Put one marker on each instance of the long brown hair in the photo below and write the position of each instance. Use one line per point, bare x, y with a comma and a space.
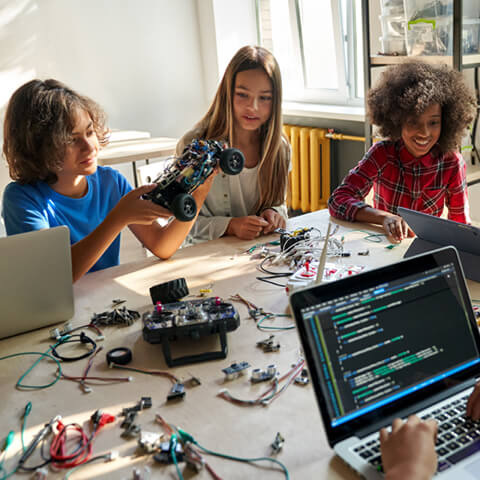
38, 126
275, 151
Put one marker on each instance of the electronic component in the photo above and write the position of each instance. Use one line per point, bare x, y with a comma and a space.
57, 333
190, 319
288, 239
177, 392
193, 381
259, 375
302, 379
188, 171
149, 441
130, 414
269, 344
235, 370
306, 274
277, 443
116, 316
165, 453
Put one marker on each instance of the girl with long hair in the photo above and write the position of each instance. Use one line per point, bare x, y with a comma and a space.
246, 114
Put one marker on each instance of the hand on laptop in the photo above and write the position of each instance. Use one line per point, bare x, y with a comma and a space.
396, 228
473, 404
408, 451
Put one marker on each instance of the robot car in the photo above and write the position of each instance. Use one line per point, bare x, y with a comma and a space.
187, 172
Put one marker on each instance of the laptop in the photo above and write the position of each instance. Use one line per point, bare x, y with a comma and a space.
36, 280
434, 232
388, 343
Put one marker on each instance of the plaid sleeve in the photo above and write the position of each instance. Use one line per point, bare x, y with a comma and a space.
348, 198
457, 199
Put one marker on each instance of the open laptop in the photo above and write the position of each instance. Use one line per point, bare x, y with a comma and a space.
36, 280
434, 232
388, 343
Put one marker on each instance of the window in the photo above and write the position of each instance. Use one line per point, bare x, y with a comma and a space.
318, 46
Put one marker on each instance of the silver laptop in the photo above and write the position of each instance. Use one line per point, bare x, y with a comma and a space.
36, 280
388, 343
434, 232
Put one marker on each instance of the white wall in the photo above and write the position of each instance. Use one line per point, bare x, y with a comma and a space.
140, 59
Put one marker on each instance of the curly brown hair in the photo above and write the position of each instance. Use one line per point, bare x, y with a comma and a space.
38, 126
408, 89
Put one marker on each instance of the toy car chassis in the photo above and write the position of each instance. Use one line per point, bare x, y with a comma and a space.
185, 173
190, 319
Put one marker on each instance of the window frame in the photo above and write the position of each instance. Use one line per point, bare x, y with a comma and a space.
347, 64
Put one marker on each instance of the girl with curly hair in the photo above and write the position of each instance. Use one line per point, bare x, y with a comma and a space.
246, 114
52, 136
422, 111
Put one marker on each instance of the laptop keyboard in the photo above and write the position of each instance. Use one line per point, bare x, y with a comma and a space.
458, 437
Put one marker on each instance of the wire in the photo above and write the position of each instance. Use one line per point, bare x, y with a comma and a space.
85, 379
372, 237
19, 383
246, 460
173, 446
264, 328
160, 373
107, 456
186, 437
271, 393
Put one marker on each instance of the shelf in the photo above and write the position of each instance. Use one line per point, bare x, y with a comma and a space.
468, 60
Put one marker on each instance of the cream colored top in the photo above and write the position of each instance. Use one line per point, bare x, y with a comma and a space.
230, 196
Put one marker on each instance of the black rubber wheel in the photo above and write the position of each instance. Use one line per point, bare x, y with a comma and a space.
169, 292
232, 161
184, 207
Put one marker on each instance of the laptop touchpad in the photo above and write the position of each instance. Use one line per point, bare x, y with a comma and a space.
473, 468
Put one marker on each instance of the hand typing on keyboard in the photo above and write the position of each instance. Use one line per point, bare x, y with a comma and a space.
408, 451
473, 404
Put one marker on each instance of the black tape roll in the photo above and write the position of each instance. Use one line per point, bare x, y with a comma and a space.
119, 356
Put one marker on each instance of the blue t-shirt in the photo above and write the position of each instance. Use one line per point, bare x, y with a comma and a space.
37, 206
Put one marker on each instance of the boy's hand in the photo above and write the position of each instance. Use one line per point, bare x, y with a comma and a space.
396, 228
409, 450
132, 209
246, 228
274, 219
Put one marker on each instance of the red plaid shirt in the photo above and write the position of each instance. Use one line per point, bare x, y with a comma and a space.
423, 184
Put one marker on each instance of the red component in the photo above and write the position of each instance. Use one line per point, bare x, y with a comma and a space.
218, 300
105, 419
158, 307
307, 265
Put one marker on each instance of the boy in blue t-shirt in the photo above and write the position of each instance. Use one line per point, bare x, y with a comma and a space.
52, 136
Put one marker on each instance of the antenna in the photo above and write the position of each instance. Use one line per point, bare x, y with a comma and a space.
323, 257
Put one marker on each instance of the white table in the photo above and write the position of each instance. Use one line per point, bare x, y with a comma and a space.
135, 150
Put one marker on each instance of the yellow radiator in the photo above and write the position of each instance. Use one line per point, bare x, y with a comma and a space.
309, 186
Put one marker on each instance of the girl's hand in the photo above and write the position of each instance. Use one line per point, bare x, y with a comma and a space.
395, 228
132, 209
409, 450
274, 219
246, 228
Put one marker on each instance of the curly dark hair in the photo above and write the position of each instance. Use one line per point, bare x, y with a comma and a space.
38, 126
408, 89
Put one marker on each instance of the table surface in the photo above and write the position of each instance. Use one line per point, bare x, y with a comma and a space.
134, 150
215, 423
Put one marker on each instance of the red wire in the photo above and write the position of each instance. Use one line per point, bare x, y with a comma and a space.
60, 459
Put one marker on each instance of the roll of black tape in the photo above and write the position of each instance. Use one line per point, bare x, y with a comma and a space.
119, 356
